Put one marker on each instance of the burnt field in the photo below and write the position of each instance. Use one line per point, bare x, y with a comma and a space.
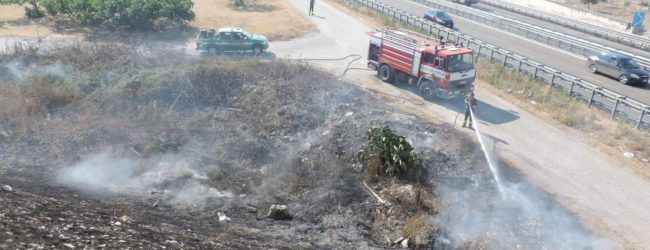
108, 147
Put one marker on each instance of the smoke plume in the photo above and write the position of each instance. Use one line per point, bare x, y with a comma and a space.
171, 178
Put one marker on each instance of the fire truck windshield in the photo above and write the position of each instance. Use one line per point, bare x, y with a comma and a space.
460, 62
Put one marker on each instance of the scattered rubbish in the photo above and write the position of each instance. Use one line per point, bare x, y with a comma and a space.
405, 243
223, 217
279, 212
379, 199
628, 154
7, 188
125, 218
251, 209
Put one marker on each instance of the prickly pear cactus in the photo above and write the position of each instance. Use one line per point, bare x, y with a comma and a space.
394, 152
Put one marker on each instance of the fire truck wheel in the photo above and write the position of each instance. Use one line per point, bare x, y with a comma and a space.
386, 73
427, 90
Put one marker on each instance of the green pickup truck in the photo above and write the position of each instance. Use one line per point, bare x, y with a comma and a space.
231, 39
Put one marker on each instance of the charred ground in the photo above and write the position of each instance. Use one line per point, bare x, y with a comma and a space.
110, 146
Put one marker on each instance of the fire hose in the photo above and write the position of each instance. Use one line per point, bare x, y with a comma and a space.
353, 58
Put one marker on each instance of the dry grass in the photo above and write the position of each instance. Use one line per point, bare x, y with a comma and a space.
122, 208
368, 16
11, 12
612, 137
375, 169
419, 228
275, 19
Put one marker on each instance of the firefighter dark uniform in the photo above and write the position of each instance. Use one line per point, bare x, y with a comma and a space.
470, 103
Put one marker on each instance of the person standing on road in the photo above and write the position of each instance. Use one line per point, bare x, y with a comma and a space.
311, 7
470, 103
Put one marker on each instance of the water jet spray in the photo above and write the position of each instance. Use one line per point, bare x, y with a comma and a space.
494, 168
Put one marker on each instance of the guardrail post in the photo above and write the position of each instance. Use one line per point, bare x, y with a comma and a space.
536, 70
505, 60
553, 78
573, 84
643, 110
593, 94
492, 55
618, 100
520, 63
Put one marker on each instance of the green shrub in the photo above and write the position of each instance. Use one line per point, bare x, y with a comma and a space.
34, 12
135, 14
388, 152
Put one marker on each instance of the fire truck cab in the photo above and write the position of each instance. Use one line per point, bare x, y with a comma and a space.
437, 70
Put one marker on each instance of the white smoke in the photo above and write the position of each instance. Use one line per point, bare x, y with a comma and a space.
510, 213
18, 69
171, 178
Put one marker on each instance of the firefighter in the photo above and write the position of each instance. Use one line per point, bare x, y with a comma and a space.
311, 7
470, 103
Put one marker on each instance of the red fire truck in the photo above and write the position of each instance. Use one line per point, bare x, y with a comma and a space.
437, 70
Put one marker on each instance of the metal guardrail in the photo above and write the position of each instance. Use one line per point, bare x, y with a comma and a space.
628, 39
553, 38
618, 106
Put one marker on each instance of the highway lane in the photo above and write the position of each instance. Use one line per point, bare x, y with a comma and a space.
560, 28
550, 56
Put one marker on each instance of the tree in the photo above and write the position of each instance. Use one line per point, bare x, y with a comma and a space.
135, 14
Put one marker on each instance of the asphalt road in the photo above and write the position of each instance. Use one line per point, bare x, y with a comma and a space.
550, 56
561, 29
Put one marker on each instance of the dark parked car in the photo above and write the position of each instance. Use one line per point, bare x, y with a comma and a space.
439, 16
465, 2
620, 66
